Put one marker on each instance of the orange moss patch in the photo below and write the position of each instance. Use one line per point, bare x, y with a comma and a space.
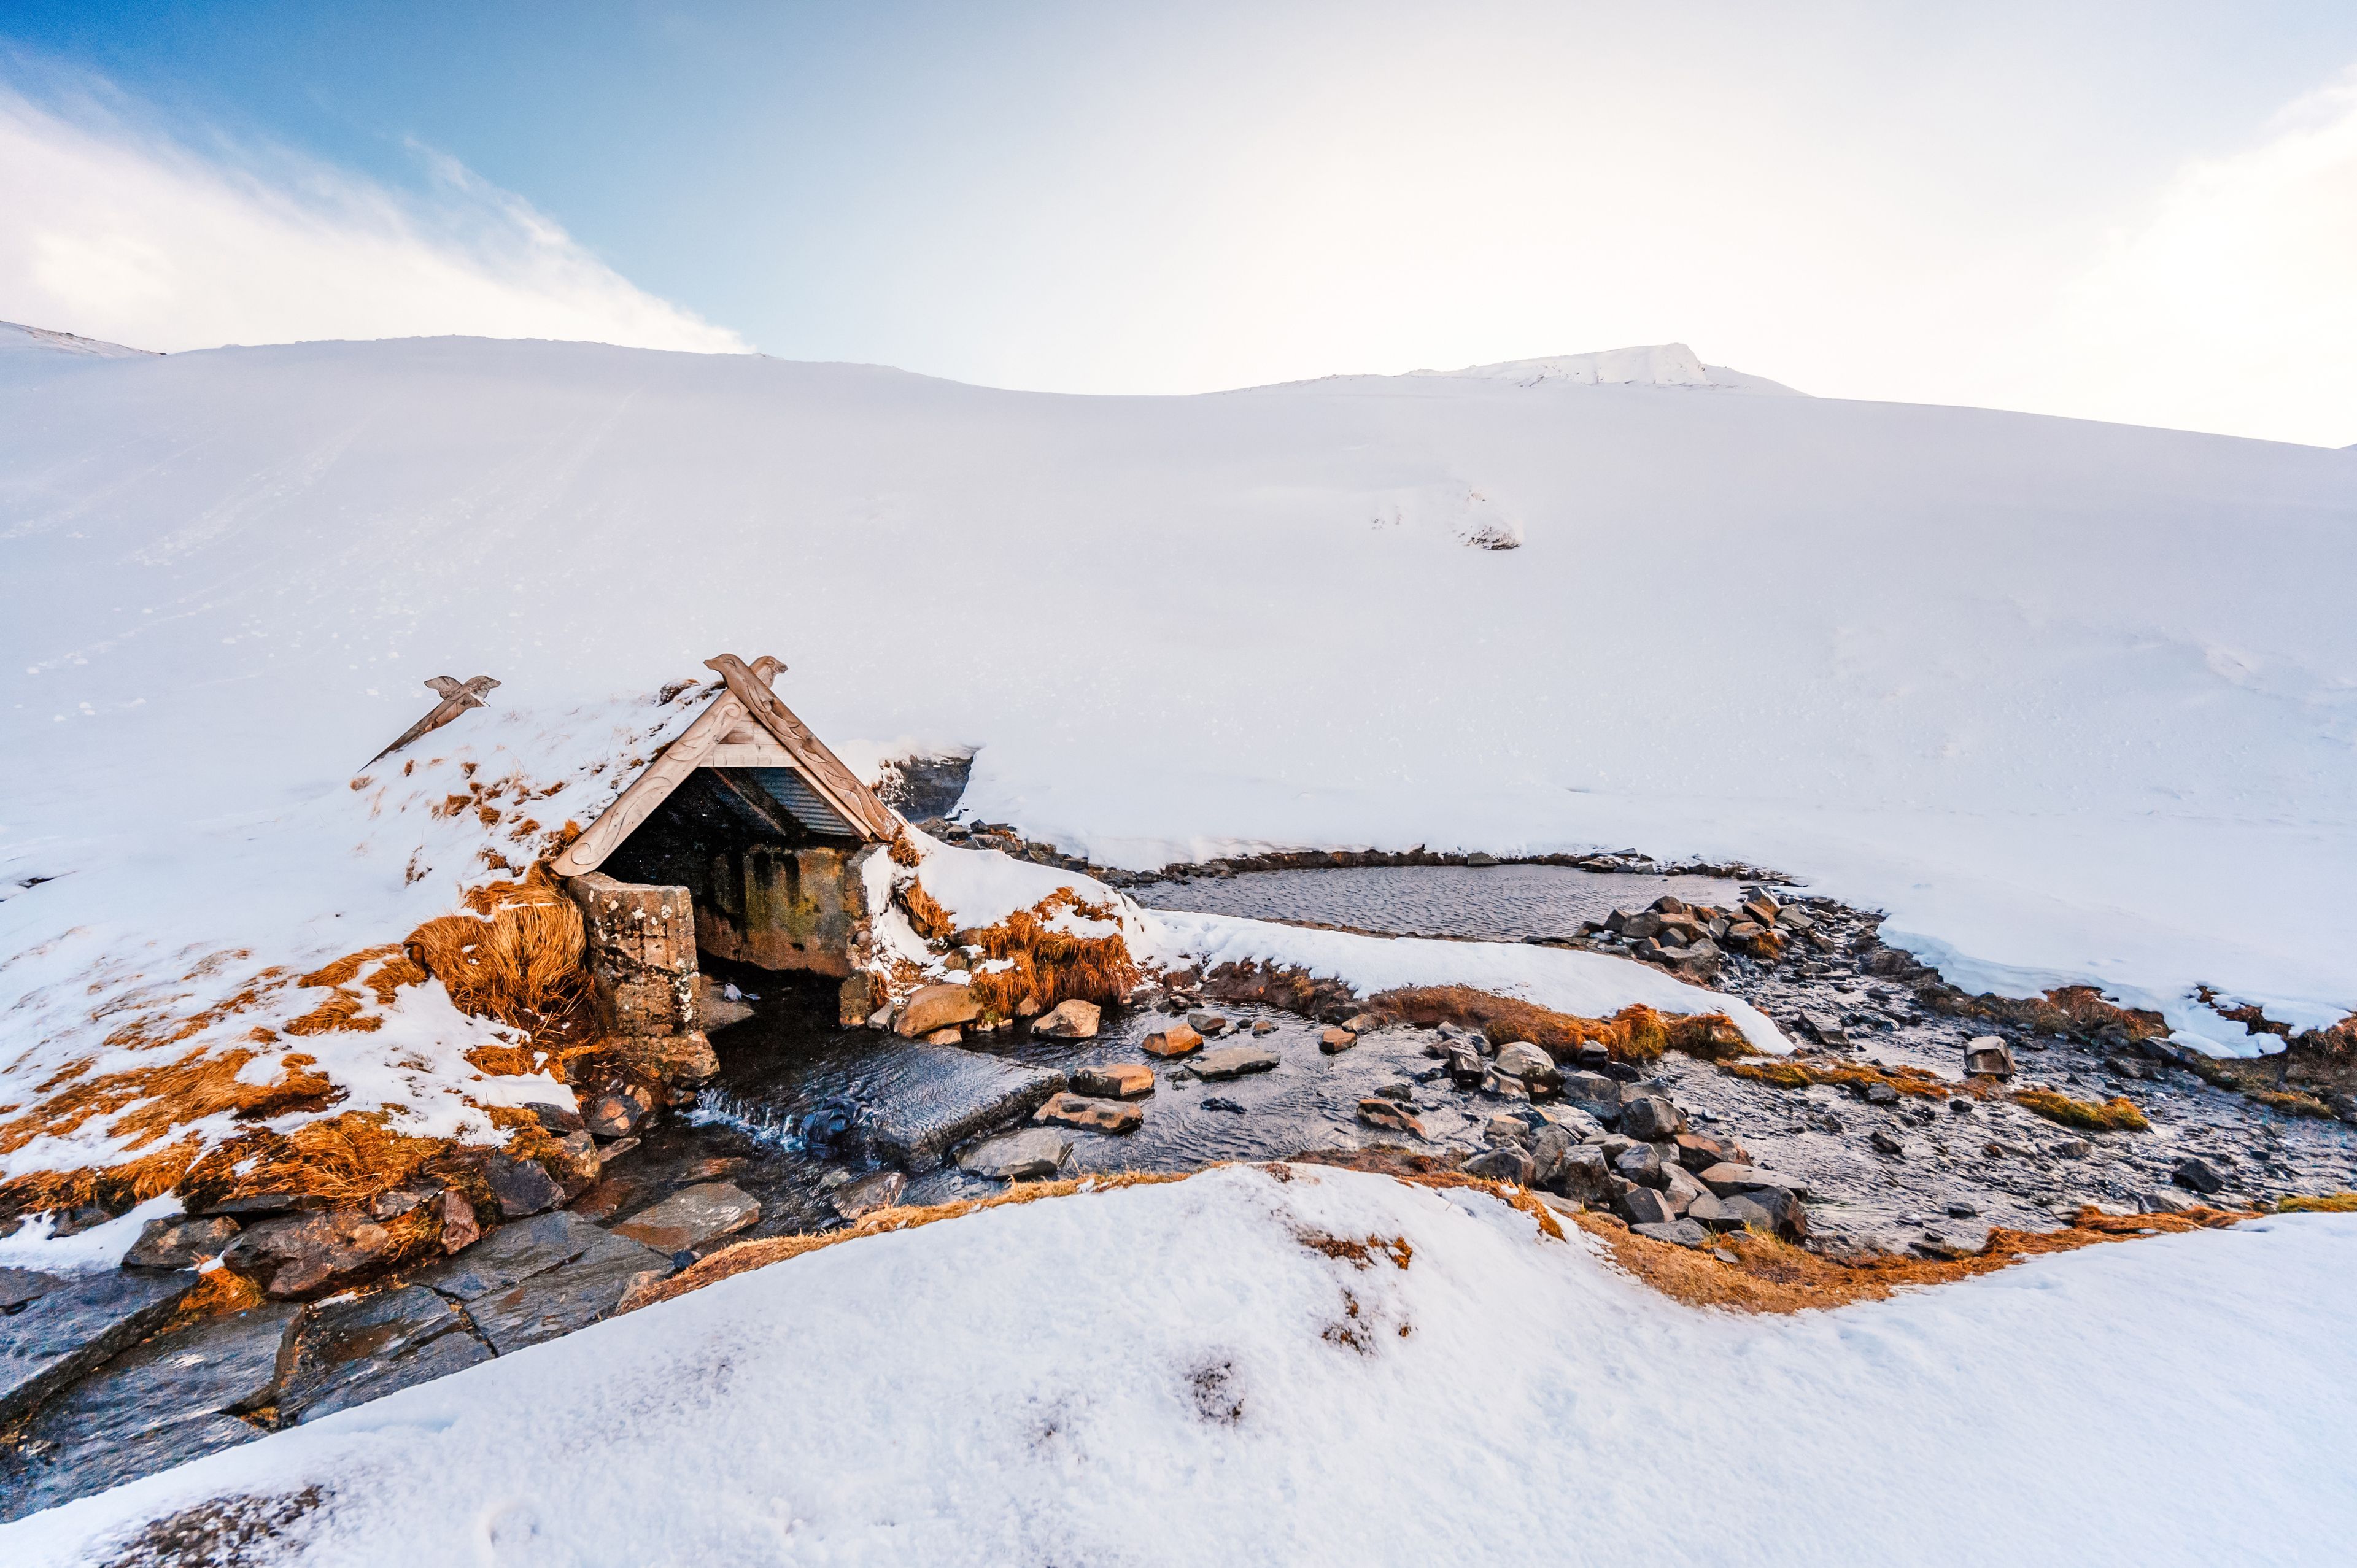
1636, 1034
2117, 1114
2292, 1102
2330, 1203
1800, 1072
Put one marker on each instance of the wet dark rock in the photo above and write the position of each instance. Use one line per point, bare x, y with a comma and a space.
18, 1286
510, 1253
930, 1099
617, 1112
301, 1255
1466, 1068
162, 1403
857, 1199
1208, 1025
64, 1330
355, 1351
570, 1296
2200, 1175
1885, 1144
1033, 1153
555, 1118
1769, 1208
181, 1243
692, 1216
1216, 1103
521, 1186
1881, 1094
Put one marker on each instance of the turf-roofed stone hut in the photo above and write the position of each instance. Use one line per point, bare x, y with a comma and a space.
745, 839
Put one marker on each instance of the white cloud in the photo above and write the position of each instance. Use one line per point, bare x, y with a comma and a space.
119, 234
2233, 307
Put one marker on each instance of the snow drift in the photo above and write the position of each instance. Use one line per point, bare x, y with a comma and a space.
2073, 702
1210, 1377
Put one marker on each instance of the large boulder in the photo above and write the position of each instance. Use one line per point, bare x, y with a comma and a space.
1649, 1117
1585, 1177
1506, 1163
935, 1007
1533, 1066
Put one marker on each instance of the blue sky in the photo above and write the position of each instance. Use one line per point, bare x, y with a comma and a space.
1972, 204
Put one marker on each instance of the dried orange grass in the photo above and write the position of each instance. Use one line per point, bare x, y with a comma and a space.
1795, 1072
1046, 966
518, 959
931, 921
2118, 1114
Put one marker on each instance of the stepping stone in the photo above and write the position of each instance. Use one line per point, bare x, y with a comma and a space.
1035, 1152
924, 1100
71, 1327
1175, 1041
1207, 1023
1235, 1061
1093, 1115
1069, 1020
1333, 1042
1117, 1080
1390, 1115
691, 1217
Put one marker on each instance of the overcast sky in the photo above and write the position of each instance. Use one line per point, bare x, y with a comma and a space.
2142, 212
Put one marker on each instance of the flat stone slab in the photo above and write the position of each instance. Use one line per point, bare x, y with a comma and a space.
355, 1351
1091, 1115
513, 1252
1115, 1080
924, 1101
691, 1217
1677, 1232
65, 1331
18, 1286
572, 1295
1233, 1061
162, 1403
1035, 1152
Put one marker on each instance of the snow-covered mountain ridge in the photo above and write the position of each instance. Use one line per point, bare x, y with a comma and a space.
2072, 701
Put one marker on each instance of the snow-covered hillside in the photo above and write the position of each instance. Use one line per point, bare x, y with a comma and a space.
1202, 1372
2072, 701
19, 340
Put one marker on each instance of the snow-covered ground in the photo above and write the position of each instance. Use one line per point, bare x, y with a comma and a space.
1176, 1374
2070, 701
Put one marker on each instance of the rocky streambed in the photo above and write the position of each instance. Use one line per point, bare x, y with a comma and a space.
1874, 1139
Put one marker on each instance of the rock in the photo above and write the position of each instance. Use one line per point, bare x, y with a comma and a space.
1506, 1163
1177, 1040
513, 1252
521, 1186
1699, 1152
570, 1296
868, 1194
1208, 1025
1532, 1065
2164, 1202
1639, 1163
1071, 1019
1466, 1069
1333, 1042
1235, 1061
1585, 1178
574, 1163
618, 1111
1362, 1023
1550, 1153
461, 1228
1881, 1094
2070, 1148
1681, 1187
1115, 1080
686, 1059
1712, 1214
1093, 1115
1592, 1088
1960, 1209
1640, 926
1761, 908
1216, 1103
1725, 1180
1264, 1027
1649, 1116
2199, 1175
1643, 1205
359, 1350
18, 1286
1677, 1232
1016, 1157
174, 1399
1403, 1092
1819, 1122
1767, 1208
65, 1330
1884, 1144
1987, 1056
1378, 1111
180, 1243
691, 1217
555, 1118
1825, 1028
948, 1035
931, 1008
302, 1255
715, 1007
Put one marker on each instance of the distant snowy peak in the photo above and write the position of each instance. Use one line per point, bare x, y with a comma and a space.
18, 338
1660, 365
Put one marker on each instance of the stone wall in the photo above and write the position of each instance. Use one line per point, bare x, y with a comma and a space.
640, 947
785, 908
